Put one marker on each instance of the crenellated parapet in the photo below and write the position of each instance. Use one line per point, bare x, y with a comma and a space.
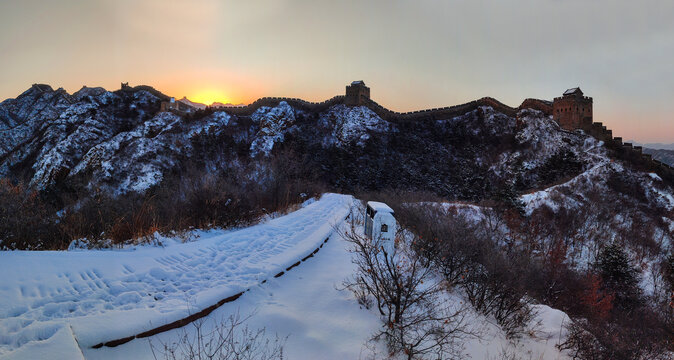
536, 104
246, 110
572, 111
358, 95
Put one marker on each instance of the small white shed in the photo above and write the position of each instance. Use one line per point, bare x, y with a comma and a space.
380, 223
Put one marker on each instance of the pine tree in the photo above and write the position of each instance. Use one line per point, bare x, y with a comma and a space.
618, 275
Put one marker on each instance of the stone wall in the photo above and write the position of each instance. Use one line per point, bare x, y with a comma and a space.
627, 152
447, 112
126, 88
536, 104
296, 103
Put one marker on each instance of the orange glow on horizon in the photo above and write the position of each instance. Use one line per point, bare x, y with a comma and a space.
209, 96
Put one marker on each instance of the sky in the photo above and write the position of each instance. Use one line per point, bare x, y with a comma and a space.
412, 54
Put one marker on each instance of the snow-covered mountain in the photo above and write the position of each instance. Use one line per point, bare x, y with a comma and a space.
539, 190
121, 142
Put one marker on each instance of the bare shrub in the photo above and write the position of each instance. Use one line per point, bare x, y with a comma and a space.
417, 320
490, 290
468, 255
636, 336
230, 339
27, 221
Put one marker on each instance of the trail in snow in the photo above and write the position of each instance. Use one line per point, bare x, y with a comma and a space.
134, 291
325, 321
535, 199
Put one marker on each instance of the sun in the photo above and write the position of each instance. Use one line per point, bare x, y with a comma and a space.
209, 96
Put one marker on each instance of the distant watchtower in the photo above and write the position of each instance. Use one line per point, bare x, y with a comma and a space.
357, 93
573, 110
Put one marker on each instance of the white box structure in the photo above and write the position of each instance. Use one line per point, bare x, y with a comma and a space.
380, 224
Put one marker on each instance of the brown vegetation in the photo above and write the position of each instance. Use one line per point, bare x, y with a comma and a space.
535, 259
205, 199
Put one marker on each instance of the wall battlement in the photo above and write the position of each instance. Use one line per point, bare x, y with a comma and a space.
582, 97
246, 110
358, 97
572, 111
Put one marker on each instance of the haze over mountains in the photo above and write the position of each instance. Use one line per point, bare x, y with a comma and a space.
201, 106
659, 151
654, 146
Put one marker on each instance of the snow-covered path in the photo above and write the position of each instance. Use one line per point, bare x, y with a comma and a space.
324, 321
307, 304
45, 297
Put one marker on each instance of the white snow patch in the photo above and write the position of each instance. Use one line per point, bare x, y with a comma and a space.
655, 176
350, 124
273, 123
137, 289
324, 321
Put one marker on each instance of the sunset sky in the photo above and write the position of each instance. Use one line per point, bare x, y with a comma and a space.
413, 54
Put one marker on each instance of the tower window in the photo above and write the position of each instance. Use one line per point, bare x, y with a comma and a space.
384, 228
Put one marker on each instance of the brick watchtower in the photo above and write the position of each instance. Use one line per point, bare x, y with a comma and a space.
573, 110
357, 93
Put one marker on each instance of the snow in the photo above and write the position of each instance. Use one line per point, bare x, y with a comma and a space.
137, 289
213, 125
273, 122
666, 197
351, 124
58, 342
655, 176
471, 212
545, 331
58, 304
324, 321
379, 206
537, 199
137, 159
571, 91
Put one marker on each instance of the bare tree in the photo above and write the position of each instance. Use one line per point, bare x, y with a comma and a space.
417, 318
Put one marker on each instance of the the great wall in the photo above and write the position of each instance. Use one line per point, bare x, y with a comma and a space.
572, 111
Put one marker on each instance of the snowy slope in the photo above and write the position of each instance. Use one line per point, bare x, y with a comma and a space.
351, 124
120, 142
43, 293
273, 124
324, 321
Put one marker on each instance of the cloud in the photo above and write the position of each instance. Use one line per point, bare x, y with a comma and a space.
425, 53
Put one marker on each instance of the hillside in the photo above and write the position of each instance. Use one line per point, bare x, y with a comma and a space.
105, 169
289, 270
118, 141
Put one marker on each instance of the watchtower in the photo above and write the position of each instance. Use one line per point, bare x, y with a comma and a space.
357, 93
573, 110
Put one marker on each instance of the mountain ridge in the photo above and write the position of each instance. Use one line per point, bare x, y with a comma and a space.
76, 127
